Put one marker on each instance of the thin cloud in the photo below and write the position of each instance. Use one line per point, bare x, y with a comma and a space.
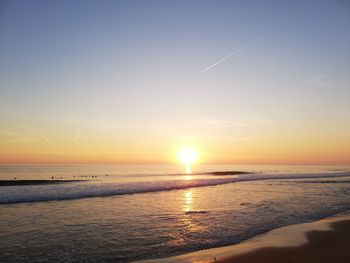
224, 123
320, 80
240, 122
238, 50
242, 138
107, 125
24, 137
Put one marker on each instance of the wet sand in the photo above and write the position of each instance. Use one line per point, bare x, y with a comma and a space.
323, 241
331, 246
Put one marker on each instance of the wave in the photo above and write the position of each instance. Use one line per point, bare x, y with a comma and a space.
86, 189
195, 212
327, 182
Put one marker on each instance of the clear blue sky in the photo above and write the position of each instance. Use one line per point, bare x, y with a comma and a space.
135, 70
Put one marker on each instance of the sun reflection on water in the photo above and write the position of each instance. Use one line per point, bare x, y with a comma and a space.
188, 168
188, 201
188, 177
192, 218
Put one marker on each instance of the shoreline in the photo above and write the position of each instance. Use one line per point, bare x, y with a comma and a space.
324, 240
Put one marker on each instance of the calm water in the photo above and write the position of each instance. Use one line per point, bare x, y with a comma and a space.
125, 213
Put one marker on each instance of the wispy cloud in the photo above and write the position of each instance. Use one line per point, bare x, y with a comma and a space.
223, 123
34, 133
105, 124
248, 138
231, 138
240, 122
77, 136
320, 80
238, 50
24, 136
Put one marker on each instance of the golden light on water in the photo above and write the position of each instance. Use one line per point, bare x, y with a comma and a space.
189, 219
188, 156
188, 201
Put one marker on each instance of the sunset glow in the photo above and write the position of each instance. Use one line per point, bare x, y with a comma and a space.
188, 156
245, 94
160, 131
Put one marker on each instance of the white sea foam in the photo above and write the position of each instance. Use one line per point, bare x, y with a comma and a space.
77, 190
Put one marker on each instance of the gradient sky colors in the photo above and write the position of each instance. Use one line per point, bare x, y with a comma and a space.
134, 81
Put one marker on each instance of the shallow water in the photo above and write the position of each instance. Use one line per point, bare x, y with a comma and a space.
125, 221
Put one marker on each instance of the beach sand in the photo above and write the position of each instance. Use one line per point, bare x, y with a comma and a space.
323, 241
331, 246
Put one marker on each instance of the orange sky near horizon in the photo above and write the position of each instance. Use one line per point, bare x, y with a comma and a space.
21, 148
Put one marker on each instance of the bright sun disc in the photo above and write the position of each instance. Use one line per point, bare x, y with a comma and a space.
188, 156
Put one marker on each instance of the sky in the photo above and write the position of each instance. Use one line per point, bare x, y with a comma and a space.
242, 82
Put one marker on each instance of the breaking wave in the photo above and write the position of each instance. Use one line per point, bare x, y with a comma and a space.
84, 189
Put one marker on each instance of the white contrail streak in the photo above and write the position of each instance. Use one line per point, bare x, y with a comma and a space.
238, 50
77, 136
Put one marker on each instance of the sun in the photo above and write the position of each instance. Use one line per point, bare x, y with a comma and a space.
188, 156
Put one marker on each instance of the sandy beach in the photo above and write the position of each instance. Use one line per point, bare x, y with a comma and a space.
322, 246
325, 241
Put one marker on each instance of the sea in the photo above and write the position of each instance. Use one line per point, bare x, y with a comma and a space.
127, 213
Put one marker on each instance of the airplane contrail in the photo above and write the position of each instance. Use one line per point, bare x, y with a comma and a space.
77, 136
238, 50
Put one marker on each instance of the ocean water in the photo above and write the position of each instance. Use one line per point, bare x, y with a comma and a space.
125, 213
